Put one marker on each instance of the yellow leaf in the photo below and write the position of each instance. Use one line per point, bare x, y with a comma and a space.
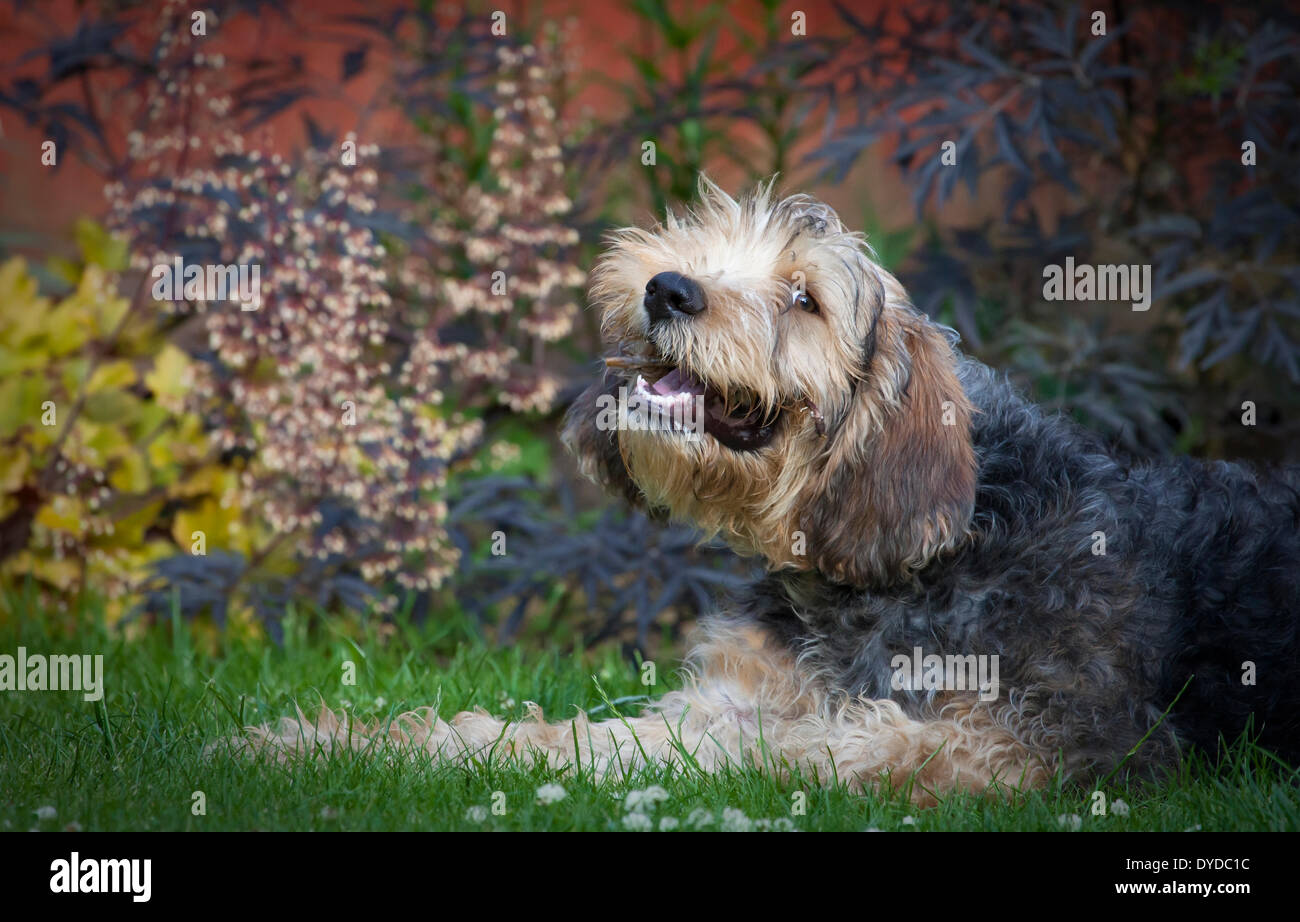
64, 573
210, 480
60, 573
20, 404
72, 373
130, 474
100, 442
65, 269
210, 518
151, 418
100, 247
68, 326
25, 309
13, 469
118, 374
94, 309
129, 529
70, 517
170, 378
161, 457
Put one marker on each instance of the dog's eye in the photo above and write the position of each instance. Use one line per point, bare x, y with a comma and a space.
806, 302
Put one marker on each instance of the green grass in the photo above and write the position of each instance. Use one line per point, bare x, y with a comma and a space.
135, 759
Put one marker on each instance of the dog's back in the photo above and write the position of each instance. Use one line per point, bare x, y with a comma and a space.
1189, 573
1220, 552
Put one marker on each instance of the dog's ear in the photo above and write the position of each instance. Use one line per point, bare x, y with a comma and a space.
596, 445
899, 480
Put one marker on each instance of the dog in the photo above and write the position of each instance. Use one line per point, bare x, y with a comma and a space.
916, 515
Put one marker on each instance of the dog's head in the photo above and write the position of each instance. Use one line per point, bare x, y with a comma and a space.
834, 433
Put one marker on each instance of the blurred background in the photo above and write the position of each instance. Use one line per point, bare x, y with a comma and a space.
424, 187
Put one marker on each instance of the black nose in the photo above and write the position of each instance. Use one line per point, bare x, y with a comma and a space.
671, 294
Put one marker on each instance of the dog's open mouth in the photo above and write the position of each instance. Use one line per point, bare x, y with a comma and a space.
739, 424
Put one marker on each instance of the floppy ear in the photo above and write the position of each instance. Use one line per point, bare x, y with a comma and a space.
596, 446
899, 480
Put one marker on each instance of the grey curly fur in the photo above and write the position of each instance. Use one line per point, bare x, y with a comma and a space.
1199, 576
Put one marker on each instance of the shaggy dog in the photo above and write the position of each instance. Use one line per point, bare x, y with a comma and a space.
962, 592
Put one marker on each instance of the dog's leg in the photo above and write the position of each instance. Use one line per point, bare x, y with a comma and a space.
738, 687
722, 719
745, 702
873, 743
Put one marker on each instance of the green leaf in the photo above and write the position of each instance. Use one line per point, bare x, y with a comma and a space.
112, 406
100, 248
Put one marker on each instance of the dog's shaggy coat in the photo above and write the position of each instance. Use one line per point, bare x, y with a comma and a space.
904, 498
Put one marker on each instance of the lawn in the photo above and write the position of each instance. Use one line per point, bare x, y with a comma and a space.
134, 760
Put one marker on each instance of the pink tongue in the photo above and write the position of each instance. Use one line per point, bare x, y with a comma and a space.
674, 383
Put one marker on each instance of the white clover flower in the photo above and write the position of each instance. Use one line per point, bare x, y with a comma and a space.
734, 820
646, 800
668, 823
909, 821
1119, 808
476, 814
549, 794
638, 822
45, 813
1070, 821
699, 817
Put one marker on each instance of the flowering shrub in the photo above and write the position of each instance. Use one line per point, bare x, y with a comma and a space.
102, 470
356, 385
384, 327
497, 251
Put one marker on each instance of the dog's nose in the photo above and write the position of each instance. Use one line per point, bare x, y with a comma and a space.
671, 294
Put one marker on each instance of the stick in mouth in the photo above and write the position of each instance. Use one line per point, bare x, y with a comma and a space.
743, 430
819, 421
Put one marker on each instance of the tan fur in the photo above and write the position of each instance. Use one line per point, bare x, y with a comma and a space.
745, 256
898, 483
